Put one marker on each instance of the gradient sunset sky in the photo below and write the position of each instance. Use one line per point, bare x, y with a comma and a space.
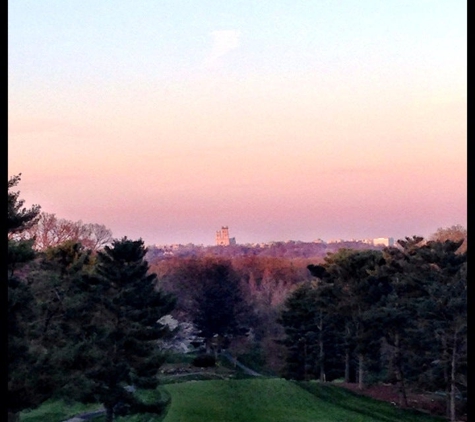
284, 120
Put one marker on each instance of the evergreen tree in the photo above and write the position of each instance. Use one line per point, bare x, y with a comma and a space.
311, 332
220, 311
300, 321
25, 359
352, 275
398, 312
64, 288
125, 343
443, 313
424, 317
19, 218
403, 312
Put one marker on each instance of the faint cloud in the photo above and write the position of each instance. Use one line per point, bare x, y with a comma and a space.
223, 42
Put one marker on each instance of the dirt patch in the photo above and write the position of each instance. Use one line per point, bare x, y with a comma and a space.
425, 402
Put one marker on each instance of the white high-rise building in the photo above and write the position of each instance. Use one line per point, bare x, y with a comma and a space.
384, 241
222, 237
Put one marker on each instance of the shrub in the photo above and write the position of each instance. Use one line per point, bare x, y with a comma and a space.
204, 361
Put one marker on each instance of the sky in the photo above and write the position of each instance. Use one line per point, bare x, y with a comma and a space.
283, 120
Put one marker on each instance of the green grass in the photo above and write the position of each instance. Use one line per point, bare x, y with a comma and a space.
368, 408
146, 396
277, 400
59, 410
56, 411
249, 400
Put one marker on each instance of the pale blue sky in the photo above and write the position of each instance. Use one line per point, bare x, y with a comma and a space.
76, 41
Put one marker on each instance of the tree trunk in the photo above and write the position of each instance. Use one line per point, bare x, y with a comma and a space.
347, 365
390, 352
452, 379
305, 361
322, 363
445, 365
208, 346
109, 414
400, 373
402, 386
321, 354
13, 416
360, 371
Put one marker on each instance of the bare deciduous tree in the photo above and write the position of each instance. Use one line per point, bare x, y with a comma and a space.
52, 231
454, 233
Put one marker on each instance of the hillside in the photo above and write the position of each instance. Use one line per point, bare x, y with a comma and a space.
277, 400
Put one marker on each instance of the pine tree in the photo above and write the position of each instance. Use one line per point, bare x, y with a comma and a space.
351, 273
64, 288
311, 332
300, 321
444, 314
25, 360
398, 312
220, 309
19, 218
424, 316
125, 345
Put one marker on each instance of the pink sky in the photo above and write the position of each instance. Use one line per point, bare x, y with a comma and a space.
371, 143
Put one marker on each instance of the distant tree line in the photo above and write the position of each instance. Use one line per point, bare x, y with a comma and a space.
289, 250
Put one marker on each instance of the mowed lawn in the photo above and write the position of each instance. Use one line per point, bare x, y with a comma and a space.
277, 400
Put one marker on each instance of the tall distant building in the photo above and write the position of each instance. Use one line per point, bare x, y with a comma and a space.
222, 237
384, 241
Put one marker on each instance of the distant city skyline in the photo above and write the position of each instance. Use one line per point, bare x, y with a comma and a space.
219, 241
282, 120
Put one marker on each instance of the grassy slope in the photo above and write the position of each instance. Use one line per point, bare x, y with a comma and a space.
276, 400
56, 410
250, 400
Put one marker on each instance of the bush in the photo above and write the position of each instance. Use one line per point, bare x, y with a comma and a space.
254, 358
179, 358
204, 361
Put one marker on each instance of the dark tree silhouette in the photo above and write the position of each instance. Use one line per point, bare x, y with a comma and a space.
129, 307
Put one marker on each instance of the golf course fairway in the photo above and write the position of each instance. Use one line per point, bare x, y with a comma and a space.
277, 400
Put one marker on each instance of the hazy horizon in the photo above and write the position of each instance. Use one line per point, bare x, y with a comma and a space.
284, 120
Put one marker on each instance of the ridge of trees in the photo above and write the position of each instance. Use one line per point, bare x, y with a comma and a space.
289, 249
